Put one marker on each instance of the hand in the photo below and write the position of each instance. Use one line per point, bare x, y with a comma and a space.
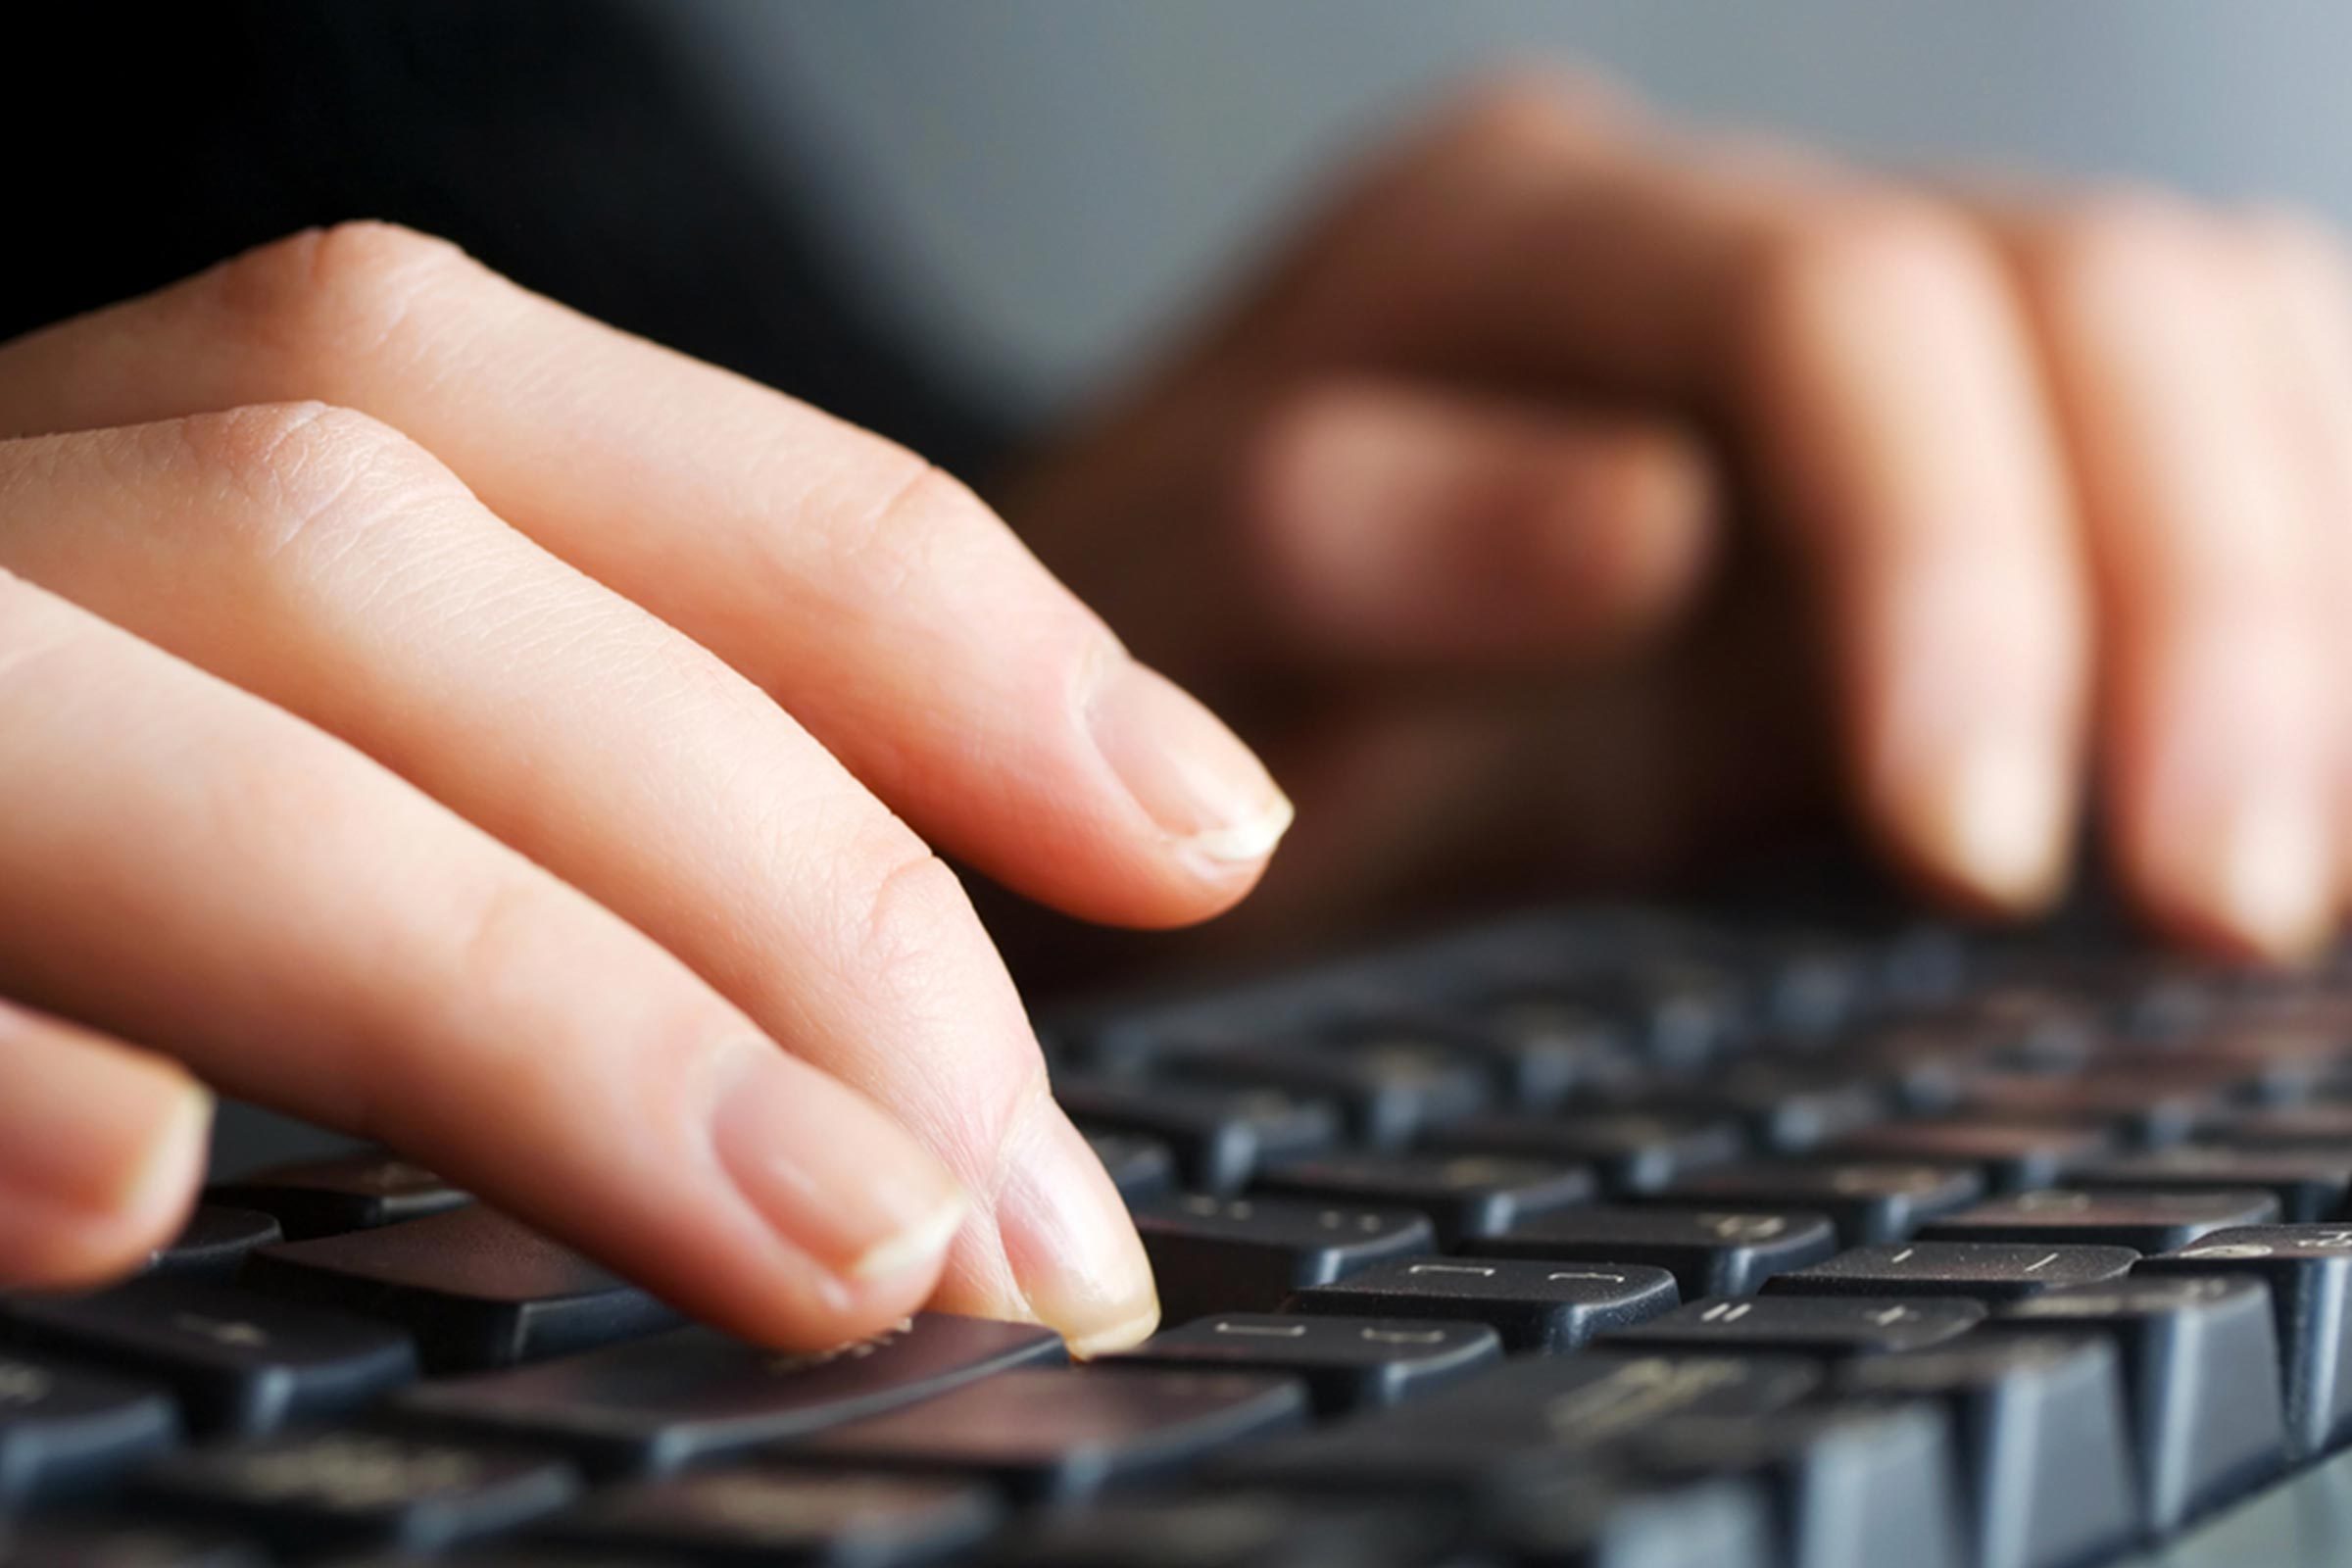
431, 712
1529, 510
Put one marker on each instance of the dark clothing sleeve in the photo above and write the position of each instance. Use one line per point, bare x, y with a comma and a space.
564, 142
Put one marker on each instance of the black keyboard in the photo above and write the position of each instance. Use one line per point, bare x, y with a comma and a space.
1602, 1240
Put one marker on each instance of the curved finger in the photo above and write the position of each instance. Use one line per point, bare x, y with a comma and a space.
185, 864
1409, 523
873, 596
2219, 733
101, 1150
351, 579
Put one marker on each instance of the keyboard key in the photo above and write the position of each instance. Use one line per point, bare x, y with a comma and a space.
2152, 1105
1802, 1325
1219, 1136
2322, 1123
2045, 1446
1228, 1528
1523, 1423
1632, 1152
1058, 1434
326, 1196
358, 1490
1709, 1252
1597, 1518
1348, 1363
2145, 1222
1249, 1254
213, 1241
2309, 1184
1680, 1013
1866, 1200
2012, 1156
2201, 1380
1464, 1196
1784, 1105
64, 1426
1534, 1306
236, 1361
475, 1288
1388, 1091
1854, 1488
1536, 1054
1980, 1271
778, 1516
2309, 1270
652, 1405
1141, 1169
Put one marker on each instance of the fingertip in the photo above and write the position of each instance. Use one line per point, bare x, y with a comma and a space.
2255, 885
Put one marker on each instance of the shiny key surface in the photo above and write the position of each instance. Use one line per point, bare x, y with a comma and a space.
1867, 1200
2144, 1221
2309, 1271
65, 1427
1708, 1252
1348, 1363
1463, 1195
771, 1515
1820, 1326
1547, 1307
215, 1242
1982, 1271
1252, 1252
326, 1196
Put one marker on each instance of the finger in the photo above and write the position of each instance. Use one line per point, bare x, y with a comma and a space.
2220, 736
873, 597
1404, 524
2309, 338
101, 1149
182, 863
353, 580
1867, 354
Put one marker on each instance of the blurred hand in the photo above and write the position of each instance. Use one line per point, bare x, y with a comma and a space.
1529, 510
431, 712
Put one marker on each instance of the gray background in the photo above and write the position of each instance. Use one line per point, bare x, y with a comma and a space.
1037, 187
1041, 184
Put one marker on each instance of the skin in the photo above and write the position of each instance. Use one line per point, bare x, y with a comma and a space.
434, 714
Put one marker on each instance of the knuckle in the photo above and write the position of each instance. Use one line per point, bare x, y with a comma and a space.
1876, 260
901, 900
2142, 248
312, 472
326, 298
912, 528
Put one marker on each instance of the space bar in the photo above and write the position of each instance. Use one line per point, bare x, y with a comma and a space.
2305, 1522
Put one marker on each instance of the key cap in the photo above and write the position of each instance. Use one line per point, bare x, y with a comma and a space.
1867, 1200
1980, 1271
2310, 1184
213, 1241
1802, 1325
1464, 1196
59, 1544
1709, 1252
1141, 1169
1497, 1433
1854, 1488
1784, 1106
2012, 1156
1348, 1363
2150, 1106
2323, 1124
1227, 1528
1632, 1152
2045, 1448
2145, 1222
354, 1193
1060, 1435
776, 1515
358, 1490
64, 1426
236, 1361
1248, 1253
2309, 1271
651, 1406
1537, 1054
1388, 1091
1535, 1307
2201, 1380
1594, 1518
1218, 1136
475, 1288
1682, 1013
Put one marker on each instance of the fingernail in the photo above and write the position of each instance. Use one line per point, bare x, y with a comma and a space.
2004, 823
1072, 1247
2274, 879
831, 1175
1190, 774
94, 1127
